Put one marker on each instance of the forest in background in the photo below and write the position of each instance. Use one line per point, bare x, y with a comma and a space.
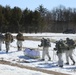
40, 20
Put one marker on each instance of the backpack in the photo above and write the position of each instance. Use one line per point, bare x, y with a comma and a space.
8, 37
71, 44
60, 46
20, 37
46, 43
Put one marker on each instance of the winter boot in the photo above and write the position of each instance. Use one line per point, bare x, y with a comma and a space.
6, 51
49, 59
18, 48
42, 59
67, 63
61, 66
73, 63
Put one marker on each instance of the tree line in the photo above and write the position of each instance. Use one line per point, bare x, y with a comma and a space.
40, 20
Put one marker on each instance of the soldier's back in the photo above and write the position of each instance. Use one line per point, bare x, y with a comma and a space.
8, 37
20, 37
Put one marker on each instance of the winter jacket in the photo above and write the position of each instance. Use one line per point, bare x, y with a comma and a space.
70, 43
8, 37
20, 37
60, 47
45, 43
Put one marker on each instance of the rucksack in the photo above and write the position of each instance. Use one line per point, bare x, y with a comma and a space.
46, 43
60, 46
20, 37
71, 44
8, 37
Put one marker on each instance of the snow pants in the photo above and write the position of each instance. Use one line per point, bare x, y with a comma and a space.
68, 54
7, 46
0, 46
19, 45
45, 52
60, 61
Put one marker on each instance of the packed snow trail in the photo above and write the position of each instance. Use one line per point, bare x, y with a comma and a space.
31, 68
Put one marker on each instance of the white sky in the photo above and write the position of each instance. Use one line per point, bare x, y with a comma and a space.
33, 4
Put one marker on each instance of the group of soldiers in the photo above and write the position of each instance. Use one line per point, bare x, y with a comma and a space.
8, 38
61, 46
66, 47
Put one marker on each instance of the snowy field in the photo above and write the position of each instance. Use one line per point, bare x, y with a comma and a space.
15, 56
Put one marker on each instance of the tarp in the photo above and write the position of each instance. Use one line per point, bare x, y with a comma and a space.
32, 53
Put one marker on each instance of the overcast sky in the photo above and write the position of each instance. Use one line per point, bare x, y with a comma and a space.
33, 4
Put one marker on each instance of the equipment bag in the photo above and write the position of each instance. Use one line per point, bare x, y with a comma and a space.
32, 53
45, 43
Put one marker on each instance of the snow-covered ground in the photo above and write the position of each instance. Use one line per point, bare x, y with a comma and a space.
9, 70
15, 56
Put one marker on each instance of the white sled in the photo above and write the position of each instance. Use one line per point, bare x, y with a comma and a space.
32, 53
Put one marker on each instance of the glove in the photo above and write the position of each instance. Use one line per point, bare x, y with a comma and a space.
55, 49
68, 48
39, 45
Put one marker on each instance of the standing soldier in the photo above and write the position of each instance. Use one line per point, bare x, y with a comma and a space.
71, 46
8, 38
19, 38
1, 40
60, 47
45, 43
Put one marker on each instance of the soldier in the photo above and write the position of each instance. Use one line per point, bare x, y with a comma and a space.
45, 43
1, 40
71, 46
20, 39
8, 38
60, 47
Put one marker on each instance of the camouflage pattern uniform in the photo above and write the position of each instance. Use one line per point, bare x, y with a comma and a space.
45, 49
71, 46
20, 39
8, 38
59, 48
1, 40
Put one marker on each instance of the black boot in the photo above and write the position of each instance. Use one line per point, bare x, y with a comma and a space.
42, 59
49, 59
61, 66
67, 63
18, 48
6, 51
73, 63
